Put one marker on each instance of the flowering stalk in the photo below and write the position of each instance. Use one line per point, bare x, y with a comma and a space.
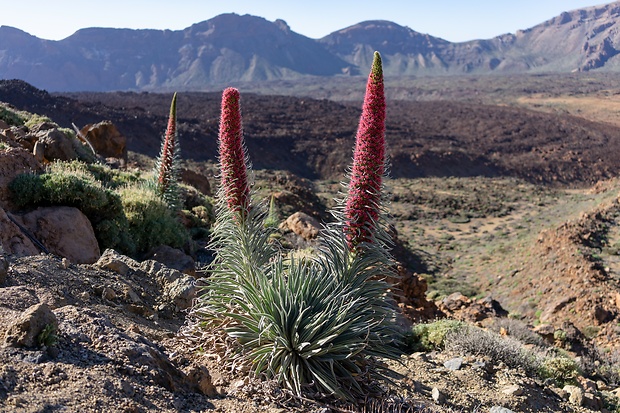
364, 195
167, 168
234, 181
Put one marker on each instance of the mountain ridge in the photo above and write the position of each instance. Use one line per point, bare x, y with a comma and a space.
231, 48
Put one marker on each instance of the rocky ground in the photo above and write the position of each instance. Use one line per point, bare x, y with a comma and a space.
104, 332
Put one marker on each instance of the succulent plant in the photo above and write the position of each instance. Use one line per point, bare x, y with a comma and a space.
315, 325
167, 166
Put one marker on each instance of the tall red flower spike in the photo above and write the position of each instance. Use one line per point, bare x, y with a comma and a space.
166, 159
364, 196
232, 155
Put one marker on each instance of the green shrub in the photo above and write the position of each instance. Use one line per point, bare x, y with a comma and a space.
478, 342
70, 184
34, 120
11, 117
431, 336
113, 178
151, 222
562, 369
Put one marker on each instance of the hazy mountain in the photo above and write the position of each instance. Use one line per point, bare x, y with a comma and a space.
231, 48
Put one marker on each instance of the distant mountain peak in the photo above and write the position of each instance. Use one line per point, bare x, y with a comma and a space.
231, 48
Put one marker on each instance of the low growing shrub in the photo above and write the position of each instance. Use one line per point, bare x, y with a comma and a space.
70, 184
519, 330
150, 222
431, 336
477, 342
562, 369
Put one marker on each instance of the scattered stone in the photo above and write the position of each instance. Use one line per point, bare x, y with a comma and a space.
554, 307
455, 301
198, 181
181, 292
25, 331
575, 394
106, 140
174, 258
84, 296
438, 396
513, 390
453, 364
592, 402
303, 225
108, 293
546, 331
65, 231
199, 377
113, 261
499, 409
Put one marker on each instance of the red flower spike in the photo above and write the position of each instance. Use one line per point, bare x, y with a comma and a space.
232, 155
167, 152
364, 195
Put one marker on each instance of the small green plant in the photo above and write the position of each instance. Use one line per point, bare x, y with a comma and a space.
48, 337
591, 331
272, 220
150, 221
431, 336
34, 120
560, 336
562, 369
11, 117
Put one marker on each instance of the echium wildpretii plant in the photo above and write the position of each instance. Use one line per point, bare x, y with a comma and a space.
315, 325
167, 165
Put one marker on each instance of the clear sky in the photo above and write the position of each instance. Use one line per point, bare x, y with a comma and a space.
454, 20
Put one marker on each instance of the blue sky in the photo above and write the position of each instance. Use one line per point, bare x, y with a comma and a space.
454, 20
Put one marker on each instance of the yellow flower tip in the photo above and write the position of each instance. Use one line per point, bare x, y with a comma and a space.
377, 67
173, 105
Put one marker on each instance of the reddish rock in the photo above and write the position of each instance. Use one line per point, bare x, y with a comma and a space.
14, 242
455, 301
25, 330
198, 181
13, 162
303, 225
410, 294
106, 140
65, 231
